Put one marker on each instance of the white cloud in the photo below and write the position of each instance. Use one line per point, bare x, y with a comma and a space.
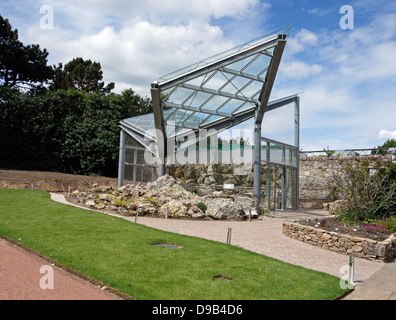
386, 134
301, 41
136, 55
138, 41
299, 69
165, 12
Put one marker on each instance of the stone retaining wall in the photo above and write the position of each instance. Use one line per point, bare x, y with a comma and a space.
345, 244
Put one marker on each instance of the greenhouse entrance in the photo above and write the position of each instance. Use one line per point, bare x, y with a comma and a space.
195, 107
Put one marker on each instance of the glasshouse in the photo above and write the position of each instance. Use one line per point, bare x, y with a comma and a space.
212, 113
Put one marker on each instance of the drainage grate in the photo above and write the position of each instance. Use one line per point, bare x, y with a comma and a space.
222, 277
167, 245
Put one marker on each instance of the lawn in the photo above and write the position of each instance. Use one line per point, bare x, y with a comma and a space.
119, 254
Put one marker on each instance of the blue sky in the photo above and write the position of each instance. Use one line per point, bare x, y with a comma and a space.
346, 77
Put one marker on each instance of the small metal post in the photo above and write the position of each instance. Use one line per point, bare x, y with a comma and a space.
136, 217
351, 270
166, 213
250, 215
229, 235
32, 185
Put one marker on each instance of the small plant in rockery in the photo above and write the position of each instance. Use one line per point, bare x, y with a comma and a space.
202, 206
194, 190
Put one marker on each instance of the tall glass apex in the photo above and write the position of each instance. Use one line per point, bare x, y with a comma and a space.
228, 53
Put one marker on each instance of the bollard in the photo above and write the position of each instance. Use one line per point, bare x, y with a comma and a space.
250, 215
136, 217
351, 270
166, 213
229, 235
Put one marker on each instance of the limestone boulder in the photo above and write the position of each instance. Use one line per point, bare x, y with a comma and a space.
145, 208
222, 209
175, 209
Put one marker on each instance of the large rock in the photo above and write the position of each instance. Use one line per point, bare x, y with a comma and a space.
222, 209
164, 181
145, 208
175, 209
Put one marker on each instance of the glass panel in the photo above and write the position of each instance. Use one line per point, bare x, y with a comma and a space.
231, 106
259, 65
263, 151
252, 89
239, 65
291, 156
179, 95
197, 99
129, 155
211, 118
199, 80
276, 153
145, 123
235, 85
178, 116
214, 103
129, 141
195, 120
247, 46
140, 157
216, 82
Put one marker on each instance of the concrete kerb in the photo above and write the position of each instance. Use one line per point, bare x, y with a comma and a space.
264, 236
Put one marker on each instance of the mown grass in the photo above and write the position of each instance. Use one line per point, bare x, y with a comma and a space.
119, 254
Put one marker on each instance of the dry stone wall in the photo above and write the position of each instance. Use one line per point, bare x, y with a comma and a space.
341, 243
316, 180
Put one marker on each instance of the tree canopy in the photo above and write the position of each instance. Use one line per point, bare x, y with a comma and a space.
82, 75
71, 125
21, 66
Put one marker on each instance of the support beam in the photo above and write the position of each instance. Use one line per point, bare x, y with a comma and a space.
270, 78
121, 160
297, 143
257, 163
160, 128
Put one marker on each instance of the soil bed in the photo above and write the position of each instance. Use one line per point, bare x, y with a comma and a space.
334, 224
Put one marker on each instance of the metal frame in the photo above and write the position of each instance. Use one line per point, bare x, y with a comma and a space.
216, 93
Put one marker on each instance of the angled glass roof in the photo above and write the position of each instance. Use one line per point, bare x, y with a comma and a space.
219, 88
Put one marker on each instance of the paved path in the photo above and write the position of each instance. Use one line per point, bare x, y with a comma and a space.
375, 280
21, 279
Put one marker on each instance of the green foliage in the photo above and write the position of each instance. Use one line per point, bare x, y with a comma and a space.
382, 150
82, 75
73, 126
65, 130
21, 66
202, 206
329, 152
369, 186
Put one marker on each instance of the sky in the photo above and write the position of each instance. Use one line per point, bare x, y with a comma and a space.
341, 62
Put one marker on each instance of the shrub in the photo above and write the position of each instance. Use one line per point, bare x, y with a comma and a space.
202, 206
369, 186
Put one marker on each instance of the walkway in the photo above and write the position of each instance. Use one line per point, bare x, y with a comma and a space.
375, 280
